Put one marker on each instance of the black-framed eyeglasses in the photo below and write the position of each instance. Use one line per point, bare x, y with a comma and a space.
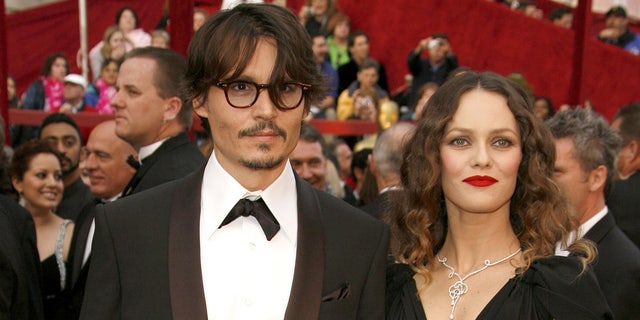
243, 94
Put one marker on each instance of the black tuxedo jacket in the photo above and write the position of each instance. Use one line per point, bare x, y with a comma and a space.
76, 271
79, 241
617, 268
20, 296
146, 258
624, 203
175, 158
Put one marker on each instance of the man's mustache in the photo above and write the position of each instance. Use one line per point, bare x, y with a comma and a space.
260, 126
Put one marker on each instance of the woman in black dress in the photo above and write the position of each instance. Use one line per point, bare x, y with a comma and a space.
36, 175
477, 225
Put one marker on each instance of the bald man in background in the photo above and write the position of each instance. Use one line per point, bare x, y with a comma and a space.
385, 162
106, 164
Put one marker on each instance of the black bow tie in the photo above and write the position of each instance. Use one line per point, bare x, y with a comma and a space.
133, 162
257, 209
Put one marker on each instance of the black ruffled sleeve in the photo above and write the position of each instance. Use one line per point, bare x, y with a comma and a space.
402, 301
552, 288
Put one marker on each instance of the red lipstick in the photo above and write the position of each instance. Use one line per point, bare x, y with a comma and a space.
480, 181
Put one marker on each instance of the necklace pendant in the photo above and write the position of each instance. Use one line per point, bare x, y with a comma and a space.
456, 290
459, 288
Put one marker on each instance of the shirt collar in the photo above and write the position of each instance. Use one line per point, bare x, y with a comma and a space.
112, 199
149, 149
561, 250
390, 188
220, 192
627, 176
587, 225
77, 107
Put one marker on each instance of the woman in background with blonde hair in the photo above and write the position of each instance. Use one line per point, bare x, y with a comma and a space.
113, 46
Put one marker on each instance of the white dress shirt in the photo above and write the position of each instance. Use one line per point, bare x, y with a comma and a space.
582, 230
92, 230
244, 275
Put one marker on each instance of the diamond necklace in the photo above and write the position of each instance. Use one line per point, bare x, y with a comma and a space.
459, 288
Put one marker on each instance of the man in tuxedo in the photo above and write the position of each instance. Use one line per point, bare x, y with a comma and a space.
20, 296
62, 132
243, 237
385, 162
106, 164
153, 114
586, 149
624, 199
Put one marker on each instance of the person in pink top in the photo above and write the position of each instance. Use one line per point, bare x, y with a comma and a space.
100, 92
127, 20
45, 93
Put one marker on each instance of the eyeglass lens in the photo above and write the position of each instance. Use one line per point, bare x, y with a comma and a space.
242, 94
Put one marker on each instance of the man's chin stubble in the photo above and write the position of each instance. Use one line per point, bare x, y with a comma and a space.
262, 164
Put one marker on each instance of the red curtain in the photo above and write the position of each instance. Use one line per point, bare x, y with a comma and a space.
490, 36
36, 33
484, 35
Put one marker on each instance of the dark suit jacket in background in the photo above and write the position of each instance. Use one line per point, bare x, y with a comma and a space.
379, 205
617, 268
176, 158
624, 203
75, 197
146, 257
20, 295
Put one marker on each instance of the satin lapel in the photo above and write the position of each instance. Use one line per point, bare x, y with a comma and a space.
306, 290
134, 181
149, 161
79, 243
185, 274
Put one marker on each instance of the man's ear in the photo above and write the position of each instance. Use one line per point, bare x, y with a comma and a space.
172, 108
597, 178
372, 165
633, 149
199, 107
